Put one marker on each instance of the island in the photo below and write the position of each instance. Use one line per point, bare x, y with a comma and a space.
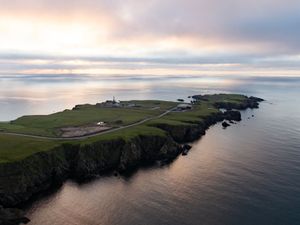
39, 151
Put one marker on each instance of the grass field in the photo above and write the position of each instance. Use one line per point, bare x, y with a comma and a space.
192, 116
14, 148
49, 125
235, 98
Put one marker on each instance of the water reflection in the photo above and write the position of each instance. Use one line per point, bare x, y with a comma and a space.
246, 174
43, 94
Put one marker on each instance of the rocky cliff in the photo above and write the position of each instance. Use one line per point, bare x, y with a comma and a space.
21, 180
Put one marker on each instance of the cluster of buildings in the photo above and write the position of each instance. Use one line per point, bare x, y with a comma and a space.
117, 104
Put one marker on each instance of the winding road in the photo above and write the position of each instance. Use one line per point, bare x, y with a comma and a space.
89, 135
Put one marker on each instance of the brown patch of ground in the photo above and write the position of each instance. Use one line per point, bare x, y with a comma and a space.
82, 131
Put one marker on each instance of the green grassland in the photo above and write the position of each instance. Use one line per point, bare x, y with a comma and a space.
152, 104
14, 148
195, 115
234, 98
126, 134
49, 125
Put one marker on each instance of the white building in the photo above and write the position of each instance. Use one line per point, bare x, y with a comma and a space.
184, 106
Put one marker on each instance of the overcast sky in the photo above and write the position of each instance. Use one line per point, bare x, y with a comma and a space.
52, 36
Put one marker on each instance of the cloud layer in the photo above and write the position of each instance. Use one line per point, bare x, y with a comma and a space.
253, 33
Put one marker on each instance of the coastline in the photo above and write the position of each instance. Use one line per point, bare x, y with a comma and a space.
40, 171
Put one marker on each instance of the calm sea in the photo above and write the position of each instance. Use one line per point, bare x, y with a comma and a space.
246, 174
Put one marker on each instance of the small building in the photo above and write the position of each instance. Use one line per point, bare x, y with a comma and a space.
101, 124
184, 106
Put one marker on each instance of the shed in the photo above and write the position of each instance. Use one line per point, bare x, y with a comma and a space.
184, 106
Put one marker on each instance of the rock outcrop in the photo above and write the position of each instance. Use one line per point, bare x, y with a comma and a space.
225, 124
12, 216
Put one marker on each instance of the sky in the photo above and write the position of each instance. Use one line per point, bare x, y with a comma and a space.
150, 37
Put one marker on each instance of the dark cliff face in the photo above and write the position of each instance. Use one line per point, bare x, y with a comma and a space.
147, 149
183, 133
95, 158
191, 132
10, 216
21, 180
35, 173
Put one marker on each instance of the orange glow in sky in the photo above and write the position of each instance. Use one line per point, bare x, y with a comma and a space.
224, 37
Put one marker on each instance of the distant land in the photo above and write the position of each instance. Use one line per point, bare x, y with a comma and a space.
40, 151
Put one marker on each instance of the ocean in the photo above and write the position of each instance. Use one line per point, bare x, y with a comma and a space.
246, 174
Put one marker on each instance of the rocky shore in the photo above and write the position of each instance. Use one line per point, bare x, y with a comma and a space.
21, 180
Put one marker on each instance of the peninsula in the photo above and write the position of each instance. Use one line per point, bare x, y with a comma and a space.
37, 152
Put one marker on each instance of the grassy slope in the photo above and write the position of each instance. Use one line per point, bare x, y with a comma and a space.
15, 148
48, 125
234, 98
126, 134
193, 116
